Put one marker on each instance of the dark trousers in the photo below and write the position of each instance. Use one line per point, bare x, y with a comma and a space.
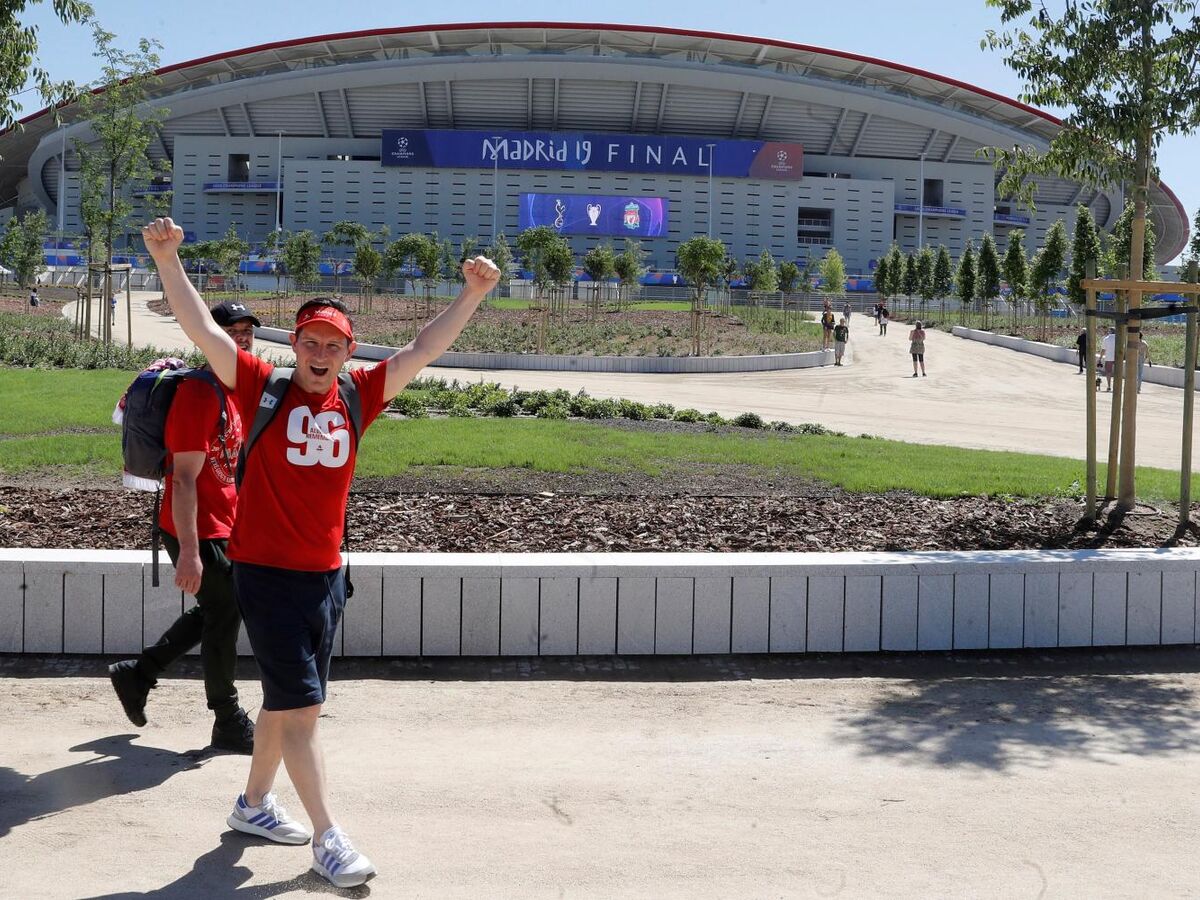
212, 623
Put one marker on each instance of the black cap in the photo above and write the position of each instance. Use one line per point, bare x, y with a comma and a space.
229, 312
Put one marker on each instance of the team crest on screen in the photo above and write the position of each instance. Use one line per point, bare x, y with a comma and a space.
633, 216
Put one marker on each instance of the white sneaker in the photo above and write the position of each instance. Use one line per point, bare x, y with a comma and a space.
336, 860
268, 819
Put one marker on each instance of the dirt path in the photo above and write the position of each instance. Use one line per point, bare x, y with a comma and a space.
1062, 775
975, 395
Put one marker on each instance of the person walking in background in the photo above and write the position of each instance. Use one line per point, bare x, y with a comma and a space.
827, 322
1108, 355
884, 315
916, 347
1081, 345
195, 521
34, 300
1143, 351
841, 334
847, 309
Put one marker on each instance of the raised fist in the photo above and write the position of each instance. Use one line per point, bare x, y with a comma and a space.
480, 274
162, 237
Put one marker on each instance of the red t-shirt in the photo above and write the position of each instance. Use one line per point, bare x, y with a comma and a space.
193, 425
292, 505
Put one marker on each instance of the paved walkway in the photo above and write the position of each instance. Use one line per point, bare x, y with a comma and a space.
1018, 776
974, 396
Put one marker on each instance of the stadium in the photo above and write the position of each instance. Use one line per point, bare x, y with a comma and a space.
600, 131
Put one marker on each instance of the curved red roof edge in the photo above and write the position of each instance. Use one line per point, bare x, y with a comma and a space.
600, 26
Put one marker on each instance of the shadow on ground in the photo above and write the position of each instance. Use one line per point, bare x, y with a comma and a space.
1006, 722
218, 873
117, 766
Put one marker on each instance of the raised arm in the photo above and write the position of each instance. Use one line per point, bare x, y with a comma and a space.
163, 237
480, 276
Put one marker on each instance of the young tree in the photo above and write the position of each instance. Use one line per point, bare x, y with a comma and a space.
833, 272
1085, 248
789, 274
116, 156
536, 246
1122, 237
368, 263
429, 260
302, 257
883, 277
600, 263
1046, 270
943, 277
925, 279
1015, 268
910, 278
273, 247
766, 276
1193, 251
1126, 72
964, 283
896, 270
344, 234
502, 256
630, 266
701, 260
21, 247
228, 254
402, 253
987, 277
19, 57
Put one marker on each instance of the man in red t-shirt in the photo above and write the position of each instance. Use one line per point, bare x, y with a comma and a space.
196, 520
291, 512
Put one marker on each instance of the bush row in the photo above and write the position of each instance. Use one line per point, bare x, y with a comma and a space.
481, 399
59, 350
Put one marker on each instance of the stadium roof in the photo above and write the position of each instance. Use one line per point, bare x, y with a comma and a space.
854, 104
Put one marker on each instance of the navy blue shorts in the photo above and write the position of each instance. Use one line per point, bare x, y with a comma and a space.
291, 619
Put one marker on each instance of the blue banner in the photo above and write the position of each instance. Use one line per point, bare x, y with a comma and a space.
599, 215
241, 187
935, 211
425, 148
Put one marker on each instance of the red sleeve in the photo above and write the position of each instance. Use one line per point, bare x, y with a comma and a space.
252, 375
370, 383
192, 419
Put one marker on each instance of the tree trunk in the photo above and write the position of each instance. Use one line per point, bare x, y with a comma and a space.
1127, 495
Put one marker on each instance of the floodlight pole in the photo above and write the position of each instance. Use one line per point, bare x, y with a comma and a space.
495, 187
1090, 347
279, 182
921, 205
711, 149
1189, 397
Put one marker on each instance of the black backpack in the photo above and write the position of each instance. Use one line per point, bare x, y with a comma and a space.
268, 404
147, 401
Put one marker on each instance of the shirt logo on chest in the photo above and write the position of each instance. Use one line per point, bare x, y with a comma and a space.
320, 440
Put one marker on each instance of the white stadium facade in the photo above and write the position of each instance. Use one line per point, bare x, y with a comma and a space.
602, 131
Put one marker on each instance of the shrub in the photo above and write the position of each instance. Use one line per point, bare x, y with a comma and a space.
782, 427
749, 420
501, 405
534, 401
554, 410
713, 418
662, 411
409, 404
688, 415
631, 409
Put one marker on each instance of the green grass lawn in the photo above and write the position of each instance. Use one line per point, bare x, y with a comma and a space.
59, 420
648, 305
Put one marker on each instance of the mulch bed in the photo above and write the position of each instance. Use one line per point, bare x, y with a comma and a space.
404, 516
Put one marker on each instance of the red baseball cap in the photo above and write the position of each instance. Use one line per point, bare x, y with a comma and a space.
329, 316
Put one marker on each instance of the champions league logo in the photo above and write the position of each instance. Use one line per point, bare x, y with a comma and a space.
633, 216
781, 164
401, 151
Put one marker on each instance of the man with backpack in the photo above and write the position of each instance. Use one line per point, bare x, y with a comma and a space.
296, 470
202, 436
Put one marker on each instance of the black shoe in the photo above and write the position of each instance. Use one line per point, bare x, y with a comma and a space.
235, 733
131, 689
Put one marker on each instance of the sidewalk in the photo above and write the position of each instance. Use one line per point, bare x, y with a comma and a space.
983, 776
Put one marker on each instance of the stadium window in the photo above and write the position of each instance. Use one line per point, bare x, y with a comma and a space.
239, 167
933, 193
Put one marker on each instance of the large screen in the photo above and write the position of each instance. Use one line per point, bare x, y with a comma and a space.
596, 152
593, 214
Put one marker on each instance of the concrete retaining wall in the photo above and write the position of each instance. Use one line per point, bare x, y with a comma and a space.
562, 363
576, 604
1164, 375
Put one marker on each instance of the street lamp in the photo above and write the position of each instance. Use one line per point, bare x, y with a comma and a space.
921, 205
495, 186
279, 182
711, 149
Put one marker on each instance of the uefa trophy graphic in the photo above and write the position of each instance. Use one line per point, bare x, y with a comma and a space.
593, 213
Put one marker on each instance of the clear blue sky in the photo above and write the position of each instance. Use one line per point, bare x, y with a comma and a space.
940, 35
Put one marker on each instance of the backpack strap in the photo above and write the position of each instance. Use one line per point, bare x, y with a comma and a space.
349, 394
268, 404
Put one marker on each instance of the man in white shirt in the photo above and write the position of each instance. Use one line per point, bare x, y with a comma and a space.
1108, 354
